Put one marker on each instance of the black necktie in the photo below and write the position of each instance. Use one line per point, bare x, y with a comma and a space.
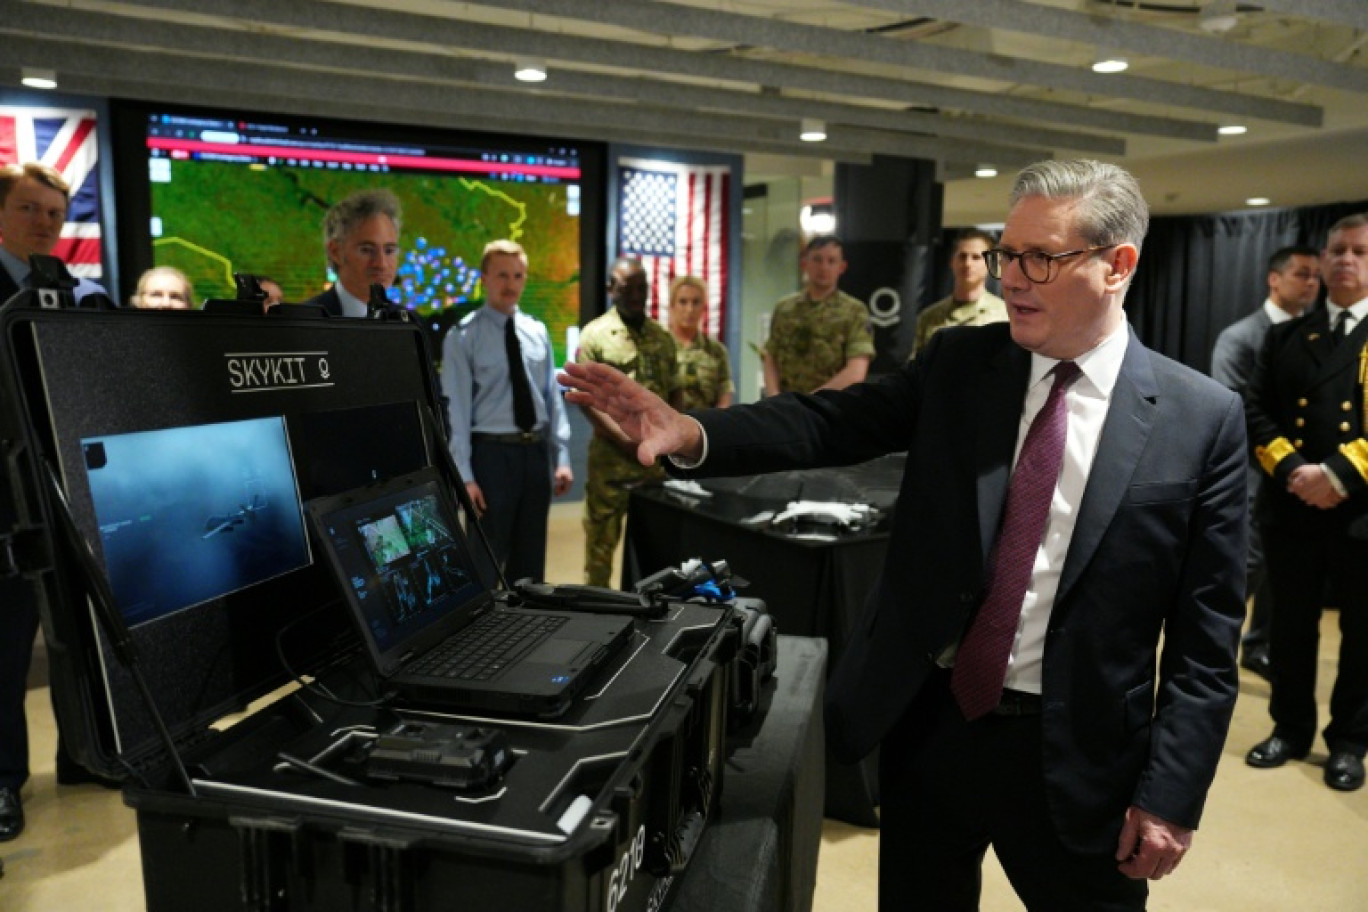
524, 412
1341, 327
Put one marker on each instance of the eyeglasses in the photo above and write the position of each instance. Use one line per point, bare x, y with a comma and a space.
1036, 265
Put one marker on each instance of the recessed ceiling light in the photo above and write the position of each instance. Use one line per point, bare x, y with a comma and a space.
985, 171
1258, 201
1233, 130
36, 78
1110, 64
812, 130
530, 71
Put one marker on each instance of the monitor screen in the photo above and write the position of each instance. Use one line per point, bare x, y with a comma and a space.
235, 192
190, 514
341, 449
407, 568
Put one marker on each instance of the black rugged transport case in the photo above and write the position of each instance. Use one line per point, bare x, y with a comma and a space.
271, 809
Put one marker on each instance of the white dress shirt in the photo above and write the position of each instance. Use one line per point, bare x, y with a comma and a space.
1087, 401
352, 306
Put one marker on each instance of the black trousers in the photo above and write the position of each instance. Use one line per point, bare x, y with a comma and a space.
1301, 560
18, 627
950, 788
1260, 589
516, 481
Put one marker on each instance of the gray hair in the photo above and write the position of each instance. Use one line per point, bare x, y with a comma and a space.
343, 217
1111, 208
1348, 223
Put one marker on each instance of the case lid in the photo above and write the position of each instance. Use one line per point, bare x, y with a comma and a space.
186, 443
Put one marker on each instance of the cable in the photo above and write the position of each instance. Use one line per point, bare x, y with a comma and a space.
317, 688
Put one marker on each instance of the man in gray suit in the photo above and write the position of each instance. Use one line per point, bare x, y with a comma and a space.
1293, 283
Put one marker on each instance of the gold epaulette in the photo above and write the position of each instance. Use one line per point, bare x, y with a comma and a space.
1356, 451
1276, 451
1363, 383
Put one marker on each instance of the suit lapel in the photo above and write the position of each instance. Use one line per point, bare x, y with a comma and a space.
1339, 357
1124, 436
1313, 338
1002, 388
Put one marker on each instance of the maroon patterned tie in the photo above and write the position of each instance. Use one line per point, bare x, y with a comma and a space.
981, 663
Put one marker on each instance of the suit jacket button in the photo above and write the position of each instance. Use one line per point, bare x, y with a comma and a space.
1301, 403
1346, 406
1301, 422
1344, 426
1297, 444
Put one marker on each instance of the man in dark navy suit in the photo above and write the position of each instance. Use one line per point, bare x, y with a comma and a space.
1307, 425
1085, 757
1293, 283
33, 208
361, 235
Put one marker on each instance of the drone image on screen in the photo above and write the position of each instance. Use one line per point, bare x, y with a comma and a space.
177, 529
218, 523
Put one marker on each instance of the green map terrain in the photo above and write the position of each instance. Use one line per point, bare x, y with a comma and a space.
218, 218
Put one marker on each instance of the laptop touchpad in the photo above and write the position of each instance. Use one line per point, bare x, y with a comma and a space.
557, 652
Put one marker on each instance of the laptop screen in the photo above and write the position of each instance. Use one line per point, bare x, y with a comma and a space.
189, 514
404, 559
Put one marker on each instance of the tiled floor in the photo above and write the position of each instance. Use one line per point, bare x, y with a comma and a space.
1273, 841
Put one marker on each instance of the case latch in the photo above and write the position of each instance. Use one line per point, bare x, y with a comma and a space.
385, 860
266, 847
25, 550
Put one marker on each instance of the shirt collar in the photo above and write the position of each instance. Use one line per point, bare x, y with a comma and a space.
498, 316
1100, 366
18, 270
352, 306
1357, 310
1275, 313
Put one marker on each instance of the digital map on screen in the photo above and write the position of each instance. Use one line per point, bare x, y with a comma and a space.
237, 197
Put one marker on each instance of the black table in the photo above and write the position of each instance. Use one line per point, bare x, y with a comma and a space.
814, 588
760, 854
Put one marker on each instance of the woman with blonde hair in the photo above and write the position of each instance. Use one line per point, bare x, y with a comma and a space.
164, 288
703, 370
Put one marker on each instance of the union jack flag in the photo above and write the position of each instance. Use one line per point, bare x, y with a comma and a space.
675, 219
64, 139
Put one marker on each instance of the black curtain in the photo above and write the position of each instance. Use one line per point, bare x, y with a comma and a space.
889, 217
1198, 274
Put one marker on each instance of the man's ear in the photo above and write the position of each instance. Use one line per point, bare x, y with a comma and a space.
1122, 265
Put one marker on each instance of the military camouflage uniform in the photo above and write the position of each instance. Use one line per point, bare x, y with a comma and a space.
810, 341
989, 308
648, 357
703, 373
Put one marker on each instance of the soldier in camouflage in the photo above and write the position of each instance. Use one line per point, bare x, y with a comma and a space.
969, 303
643, 350
819, 337
703, 372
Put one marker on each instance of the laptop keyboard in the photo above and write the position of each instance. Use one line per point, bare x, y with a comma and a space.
488, 646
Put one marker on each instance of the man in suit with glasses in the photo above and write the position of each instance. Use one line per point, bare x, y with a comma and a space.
1072, 503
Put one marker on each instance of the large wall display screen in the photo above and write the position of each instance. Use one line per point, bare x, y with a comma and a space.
248, 194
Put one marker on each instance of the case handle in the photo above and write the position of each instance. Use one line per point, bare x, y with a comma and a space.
668, 856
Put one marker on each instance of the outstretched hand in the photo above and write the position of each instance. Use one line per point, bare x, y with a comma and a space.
643, 416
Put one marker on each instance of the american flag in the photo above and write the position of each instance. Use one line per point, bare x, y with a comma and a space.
675, 219
64, 139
